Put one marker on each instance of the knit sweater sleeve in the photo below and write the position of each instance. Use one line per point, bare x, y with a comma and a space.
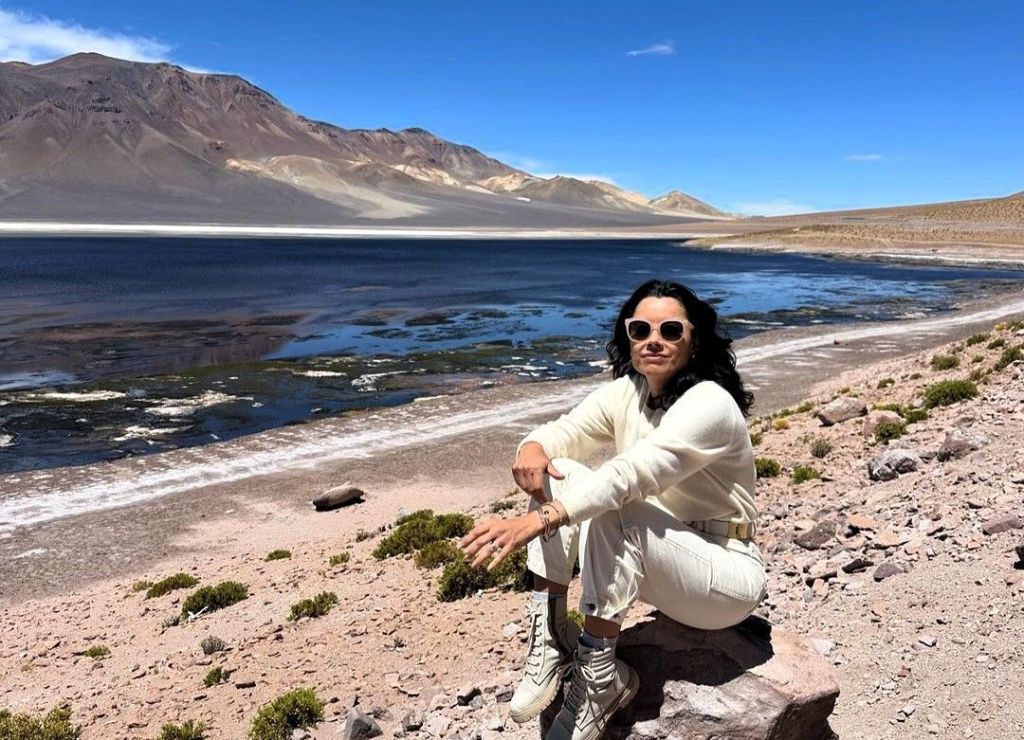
696, 429
582, 430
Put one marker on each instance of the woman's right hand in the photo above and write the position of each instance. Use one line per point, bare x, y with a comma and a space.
529, 469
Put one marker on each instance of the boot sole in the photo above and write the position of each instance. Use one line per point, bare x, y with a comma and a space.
542, 703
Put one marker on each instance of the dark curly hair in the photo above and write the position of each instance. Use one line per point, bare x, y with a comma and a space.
712, 357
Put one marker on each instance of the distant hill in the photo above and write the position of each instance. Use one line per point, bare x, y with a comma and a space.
90, 138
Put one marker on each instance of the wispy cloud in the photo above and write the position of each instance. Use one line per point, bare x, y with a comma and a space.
863, 157
776, 207
664, 49
38, 38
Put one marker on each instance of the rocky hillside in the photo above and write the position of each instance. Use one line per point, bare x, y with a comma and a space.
90, 137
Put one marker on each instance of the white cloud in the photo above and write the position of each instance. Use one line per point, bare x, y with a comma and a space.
665, 48
777, 207
863, 157
36, 38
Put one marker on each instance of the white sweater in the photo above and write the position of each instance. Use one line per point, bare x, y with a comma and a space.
694, 460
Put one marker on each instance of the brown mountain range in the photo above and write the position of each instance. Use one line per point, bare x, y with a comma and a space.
90, 138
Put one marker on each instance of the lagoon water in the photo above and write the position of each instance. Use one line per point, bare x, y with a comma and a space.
115, 347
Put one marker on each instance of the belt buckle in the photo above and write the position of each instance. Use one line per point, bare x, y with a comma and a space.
739, 530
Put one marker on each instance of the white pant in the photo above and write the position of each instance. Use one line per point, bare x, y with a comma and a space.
642, 551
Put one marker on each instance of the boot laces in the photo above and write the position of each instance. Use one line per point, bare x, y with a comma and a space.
584, 687
534, 648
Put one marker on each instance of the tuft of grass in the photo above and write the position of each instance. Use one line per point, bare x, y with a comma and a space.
1013, 354
913, 415
171, 583
574, 615
188, 730
215, 676
54, 725
890, 430
317, 606
844, 390
435, 554
805, 407
756, 438
948, 392
211, 645
767, 467
278, 555
297, 709
212, 598
885, 383
977, 374
362, 534
459, 580
97, 651
996, 343
778, 424
977, 358
915, 376
783, 413
944, 362
141, 586
414, 534
820, 447
977, 339
804, 473
503, 505
340, 559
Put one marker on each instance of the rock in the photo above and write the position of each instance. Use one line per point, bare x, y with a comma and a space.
840, 410
857, 522
857, 564
1020, 552
466, 694
959, 443
360, 725
927, 640
337, 497
412, 721
875, 418
886, 570
818, 536
437, 725
1001, 523
745, 683
893, 463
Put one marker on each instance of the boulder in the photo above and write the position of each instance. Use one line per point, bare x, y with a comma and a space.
841, 409
893, 463
749, 682
875, 418
1001, 523
338, 496
360, 725
959, 443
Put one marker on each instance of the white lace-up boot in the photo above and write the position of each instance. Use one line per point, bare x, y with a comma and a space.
549, 653
600, 686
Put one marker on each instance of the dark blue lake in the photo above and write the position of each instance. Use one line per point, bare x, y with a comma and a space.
113, 347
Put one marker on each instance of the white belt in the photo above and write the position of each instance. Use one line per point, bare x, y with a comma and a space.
735, 530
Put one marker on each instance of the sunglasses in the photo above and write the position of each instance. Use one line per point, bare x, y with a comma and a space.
670, 330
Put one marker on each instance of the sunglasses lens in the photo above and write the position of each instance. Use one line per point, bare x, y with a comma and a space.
638, 330
671, 331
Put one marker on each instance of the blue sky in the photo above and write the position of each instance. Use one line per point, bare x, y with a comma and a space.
752, 106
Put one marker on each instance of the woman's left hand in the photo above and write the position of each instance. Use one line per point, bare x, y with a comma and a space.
499, 538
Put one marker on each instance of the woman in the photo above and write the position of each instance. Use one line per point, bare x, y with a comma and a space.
669, 519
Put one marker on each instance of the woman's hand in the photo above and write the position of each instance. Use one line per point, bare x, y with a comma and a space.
529, 469
499, 538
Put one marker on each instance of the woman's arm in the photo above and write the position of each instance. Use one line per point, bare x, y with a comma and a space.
697, 429
584, 429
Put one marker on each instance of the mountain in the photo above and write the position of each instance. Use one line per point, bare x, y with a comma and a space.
676, 201
90, 138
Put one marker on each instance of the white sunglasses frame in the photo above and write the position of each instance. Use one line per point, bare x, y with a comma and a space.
687, 328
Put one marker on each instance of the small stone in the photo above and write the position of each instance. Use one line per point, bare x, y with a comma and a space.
816, 538
466, 694
412, 721
959, 443
510, 630
857, 564
886, 570
927, 640
360, 725
877, 418
858, 522
840, 410
1001, 523
893, 463
244, 683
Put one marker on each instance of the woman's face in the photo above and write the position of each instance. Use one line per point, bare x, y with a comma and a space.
654, 357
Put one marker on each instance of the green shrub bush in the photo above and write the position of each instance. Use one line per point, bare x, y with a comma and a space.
215, 676
54, 725
340, 559
278, 555
1012, 354
97, 651
780, 423
362, 534
820, 447
948, 392
915, 376
212, 598
945, 362
211, 645
804, 407
297, 709
889, 430
913, 415
767, 467
422, 514
171, 583
885, 383
803, 473
977, 358
317, 606
435, 554
141, 586
459, 580
188, 730
415, 533
756, 438
997, 343
503, 505
977, 339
